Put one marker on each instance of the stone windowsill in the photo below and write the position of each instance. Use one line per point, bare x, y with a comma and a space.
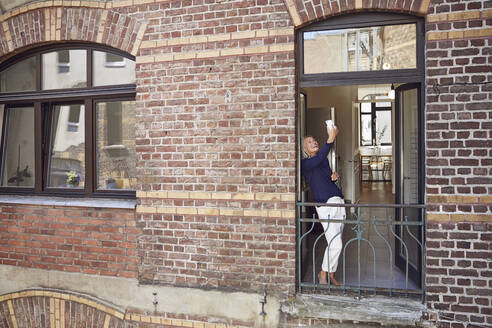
69, 202
382, 310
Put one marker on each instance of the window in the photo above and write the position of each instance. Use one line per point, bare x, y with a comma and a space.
361, 46
113, 60
73, 118
107, 65
109, 116
21, 76
63, 61
355, 59
115, 144
375, 124
361, 49
64, 69
67, 148
61, 134
18, 144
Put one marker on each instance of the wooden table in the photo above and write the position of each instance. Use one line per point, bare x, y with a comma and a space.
376, 167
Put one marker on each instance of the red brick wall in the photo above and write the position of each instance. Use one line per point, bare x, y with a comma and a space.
458, 131
304, 12
71, 239
222, 126
459, 275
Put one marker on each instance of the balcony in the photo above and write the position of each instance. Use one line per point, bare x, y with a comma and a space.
383, 250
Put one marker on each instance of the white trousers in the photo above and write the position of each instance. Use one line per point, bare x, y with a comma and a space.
333, 232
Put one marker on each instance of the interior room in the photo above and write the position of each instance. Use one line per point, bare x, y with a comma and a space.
364, 115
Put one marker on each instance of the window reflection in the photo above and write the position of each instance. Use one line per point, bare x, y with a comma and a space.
361, 49
383, 127
112, 69
375, 124
18, 166
19, 77
67, 160
63, 61
115, 142
64, 69
366, 130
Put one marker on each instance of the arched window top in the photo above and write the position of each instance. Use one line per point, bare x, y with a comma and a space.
67, 67
20, 76
351, 20
67, 122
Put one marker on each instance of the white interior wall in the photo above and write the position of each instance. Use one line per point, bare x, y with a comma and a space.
319, 101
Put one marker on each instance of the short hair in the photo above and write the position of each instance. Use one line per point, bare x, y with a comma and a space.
305, 154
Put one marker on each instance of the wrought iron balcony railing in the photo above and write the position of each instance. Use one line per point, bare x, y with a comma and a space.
383, 249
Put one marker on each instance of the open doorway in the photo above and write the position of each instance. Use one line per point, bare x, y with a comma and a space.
366, 72
377, 156
364, 152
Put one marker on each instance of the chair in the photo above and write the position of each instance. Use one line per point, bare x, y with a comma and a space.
366, 167
387, 168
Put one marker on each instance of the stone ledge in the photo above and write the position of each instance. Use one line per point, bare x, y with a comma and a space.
69, 202
380, 310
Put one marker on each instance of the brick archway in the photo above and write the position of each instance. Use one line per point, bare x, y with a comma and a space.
51, 22
52, 308
303, 12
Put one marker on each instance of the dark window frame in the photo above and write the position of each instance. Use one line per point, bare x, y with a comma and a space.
414, 77
43, 101
374, 109
359, 20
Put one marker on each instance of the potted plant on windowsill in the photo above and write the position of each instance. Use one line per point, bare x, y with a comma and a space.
73, 179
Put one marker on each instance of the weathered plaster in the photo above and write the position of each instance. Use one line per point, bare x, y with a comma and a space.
125, 293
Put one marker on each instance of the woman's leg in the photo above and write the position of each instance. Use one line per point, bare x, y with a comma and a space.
333, 237
333, 249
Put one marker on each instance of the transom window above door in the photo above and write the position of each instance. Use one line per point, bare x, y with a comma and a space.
360, 46
68, 122
360, 49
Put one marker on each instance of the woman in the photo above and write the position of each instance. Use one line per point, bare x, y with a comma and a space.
318, 174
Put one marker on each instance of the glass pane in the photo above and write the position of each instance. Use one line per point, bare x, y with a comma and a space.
110, 69
361, 49
383, 104
64, 69
383, 127
2, 111
67, 161
19, 77
365, 107
115, 142
410, 169
366, 130
18, 163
